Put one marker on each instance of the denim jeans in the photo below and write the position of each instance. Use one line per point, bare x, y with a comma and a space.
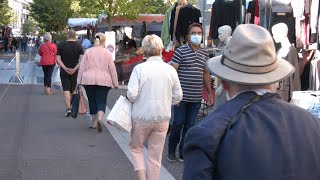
184, 118
97, 97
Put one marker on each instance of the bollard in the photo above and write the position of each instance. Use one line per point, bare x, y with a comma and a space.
17, 63
17, 78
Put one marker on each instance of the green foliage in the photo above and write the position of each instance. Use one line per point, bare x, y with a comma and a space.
161, 6
28, 27
7, 15
124, 8
51, 15
58, 37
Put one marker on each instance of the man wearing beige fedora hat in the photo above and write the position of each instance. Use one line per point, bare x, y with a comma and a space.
255, 135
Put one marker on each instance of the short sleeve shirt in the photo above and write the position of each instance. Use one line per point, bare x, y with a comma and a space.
190, 71
70, 52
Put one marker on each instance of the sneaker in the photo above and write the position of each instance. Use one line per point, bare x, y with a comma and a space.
68, 112
171, 158
181, 158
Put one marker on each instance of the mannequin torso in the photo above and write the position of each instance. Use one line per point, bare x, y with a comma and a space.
285, 48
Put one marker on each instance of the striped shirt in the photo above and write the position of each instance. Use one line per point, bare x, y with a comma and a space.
191, 66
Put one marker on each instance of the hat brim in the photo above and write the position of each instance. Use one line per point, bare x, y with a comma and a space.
283, 70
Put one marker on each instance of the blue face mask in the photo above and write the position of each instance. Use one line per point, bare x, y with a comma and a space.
195, 39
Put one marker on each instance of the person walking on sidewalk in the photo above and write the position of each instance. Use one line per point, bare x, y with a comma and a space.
189, 61
69, 54
256, 134
98, 75
153, 87
48, 52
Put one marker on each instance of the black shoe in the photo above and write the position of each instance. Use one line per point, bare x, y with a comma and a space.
171, 157
181, 158
68, 113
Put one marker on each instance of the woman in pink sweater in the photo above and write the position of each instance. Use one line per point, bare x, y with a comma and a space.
98, 75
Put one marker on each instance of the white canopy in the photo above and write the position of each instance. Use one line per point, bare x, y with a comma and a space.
82, 22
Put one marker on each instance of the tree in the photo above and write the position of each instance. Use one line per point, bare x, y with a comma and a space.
7, 15
28, 27
123, 8
161, 6
51, 15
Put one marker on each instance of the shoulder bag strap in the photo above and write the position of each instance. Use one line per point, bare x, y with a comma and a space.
49, 49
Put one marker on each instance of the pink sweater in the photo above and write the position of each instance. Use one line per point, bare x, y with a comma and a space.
97, 68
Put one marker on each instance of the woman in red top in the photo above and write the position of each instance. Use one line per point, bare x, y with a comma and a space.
48, 53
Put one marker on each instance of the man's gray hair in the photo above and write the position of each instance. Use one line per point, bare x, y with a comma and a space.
152, 45
47, 37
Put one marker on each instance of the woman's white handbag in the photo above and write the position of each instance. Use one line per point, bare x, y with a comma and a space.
120, 114
37, 59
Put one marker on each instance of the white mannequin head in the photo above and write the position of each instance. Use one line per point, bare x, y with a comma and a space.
224, 32
280, 32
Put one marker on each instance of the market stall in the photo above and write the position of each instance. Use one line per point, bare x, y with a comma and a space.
88, 24
129, 34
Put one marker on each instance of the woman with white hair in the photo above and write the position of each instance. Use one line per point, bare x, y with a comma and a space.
98, 75
48, 52
153, 87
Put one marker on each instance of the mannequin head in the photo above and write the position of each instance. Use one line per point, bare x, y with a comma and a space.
279, 32
224, 32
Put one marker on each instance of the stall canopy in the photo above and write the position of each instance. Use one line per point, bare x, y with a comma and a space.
121, 21
82, 23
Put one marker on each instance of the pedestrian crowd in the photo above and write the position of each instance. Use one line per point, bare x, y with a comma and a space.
253, 134
15, 43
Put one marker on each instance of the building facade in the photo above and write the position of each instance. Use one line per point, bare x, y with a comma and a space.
21, 10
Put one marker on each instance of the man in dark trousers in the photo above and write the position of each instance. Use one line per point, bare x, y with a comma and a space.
255, 135
190, 63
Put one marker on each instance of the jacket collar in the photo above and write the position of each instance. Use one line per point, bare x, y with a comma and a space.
155, 58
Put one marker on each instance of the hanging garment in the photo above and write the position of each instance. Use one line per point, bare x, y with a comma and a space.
293, 83
187, 15
252, 10
314, 20
281, 6
314, 80
257, 16
265, 13
172, 18
224, 12
165, 31
301, 13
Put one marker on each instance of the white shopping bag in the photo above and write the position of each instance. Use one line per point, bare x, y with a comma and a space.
37, 59
120, 114
56, 81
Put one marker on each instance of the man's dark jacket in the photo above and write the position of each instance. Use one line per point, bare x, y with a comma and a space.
270, 140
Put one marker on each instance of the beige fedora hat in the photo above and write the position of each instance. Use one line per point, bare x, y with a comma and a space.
250, 58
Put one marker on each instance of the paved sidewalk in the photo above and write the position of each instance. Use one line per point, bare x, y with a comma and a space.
39, 143
42, 144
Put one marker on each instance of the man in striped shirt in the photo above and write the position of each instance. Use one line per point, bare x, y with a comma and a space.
190, 62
